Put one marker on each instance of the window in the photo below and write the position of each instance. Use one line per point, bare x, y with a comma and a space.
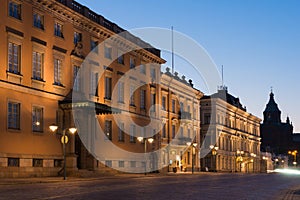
132, 163
143, 99
120, 57
121, 135
206, 118
77, 37
188, 158
108, 88
107, 51
108, 163
132, 100
76, 78
58, 163
37, 65
181, 132
121, 92
94, 84
173, 131
132, 63
13, 162
14, 58
132, 133
57, 72
163, 103
94, 46
37, 119
37, 162
173, 106
121, 163
181, 107
13, 115
153, 101
58, 30
153, 73
143, 69
15, 10
108, 129
164, 132
189, 133
38, 21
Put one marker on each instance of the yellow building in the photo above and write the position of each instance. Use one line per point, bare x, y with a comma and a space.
42, 46
230, 135
180, 116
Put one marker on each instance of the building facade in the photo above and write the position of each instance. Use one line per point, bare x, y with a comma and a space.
180, 115
230, 136
42, 48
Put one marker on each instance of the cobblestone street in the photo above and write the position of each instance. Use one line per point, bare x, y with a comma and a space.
173, 186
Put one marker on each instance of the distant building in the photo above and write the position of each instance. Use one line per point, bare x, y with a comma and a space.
230, 135
276, 135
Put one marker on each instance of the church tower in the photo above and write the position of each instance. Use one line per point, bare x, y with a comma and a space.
272, 114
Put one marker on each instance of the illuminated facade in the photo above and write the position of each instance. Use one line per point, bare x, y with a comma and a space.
42, 47
180, 116
230, 134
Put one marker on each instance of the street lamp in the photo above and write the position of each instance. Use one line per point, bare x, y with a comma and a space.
214, 150
64, 140
150, 140
193, 145
294, 153
240, 158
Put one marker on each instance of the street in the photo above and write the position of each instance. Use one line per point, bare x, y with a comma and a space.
175, 186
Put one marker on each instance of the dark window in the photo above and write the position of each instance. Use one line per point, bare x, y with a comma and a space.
38, 21
13, 162
13, 115
108, 129
107, 51
15, 10
37, 119
108, 163
108, 88
58, 163
37, 162
58, 30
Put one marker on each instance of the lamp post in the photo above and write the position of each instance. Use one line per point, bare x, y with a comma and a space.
150, 140
253, 155
193, 145
294, 153
240, 158
64, 140
214, 150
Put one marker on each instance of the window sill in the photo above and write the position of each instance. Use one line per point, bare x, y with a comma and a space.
39, 84
15, 77
59, 88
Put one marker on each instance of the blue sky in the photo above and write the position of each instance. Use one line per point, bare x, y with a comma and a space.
257, 42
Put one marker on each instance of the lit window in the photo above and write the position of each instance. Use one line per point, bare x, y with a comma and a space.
37, 65
143, 99
120, 57
107, 52
58, 30
76, 78
108, 88
14, 52
38, 21
132, 63
37, 119
57, 72
121, 92
77, 37
15, 10
13, 115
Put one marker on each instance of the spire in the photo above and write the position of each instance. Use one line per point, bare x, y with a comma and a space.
287, 120
272, 113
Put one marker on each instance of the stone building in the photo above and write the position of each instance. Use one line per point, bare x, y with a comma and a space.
230, 136
43, 44
180, 115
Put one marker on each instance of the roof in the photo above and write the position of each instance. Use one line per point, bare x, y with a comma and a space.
272, 105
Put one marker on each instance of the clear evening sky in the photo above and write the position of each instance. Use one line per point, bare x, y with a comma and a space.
257, 41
